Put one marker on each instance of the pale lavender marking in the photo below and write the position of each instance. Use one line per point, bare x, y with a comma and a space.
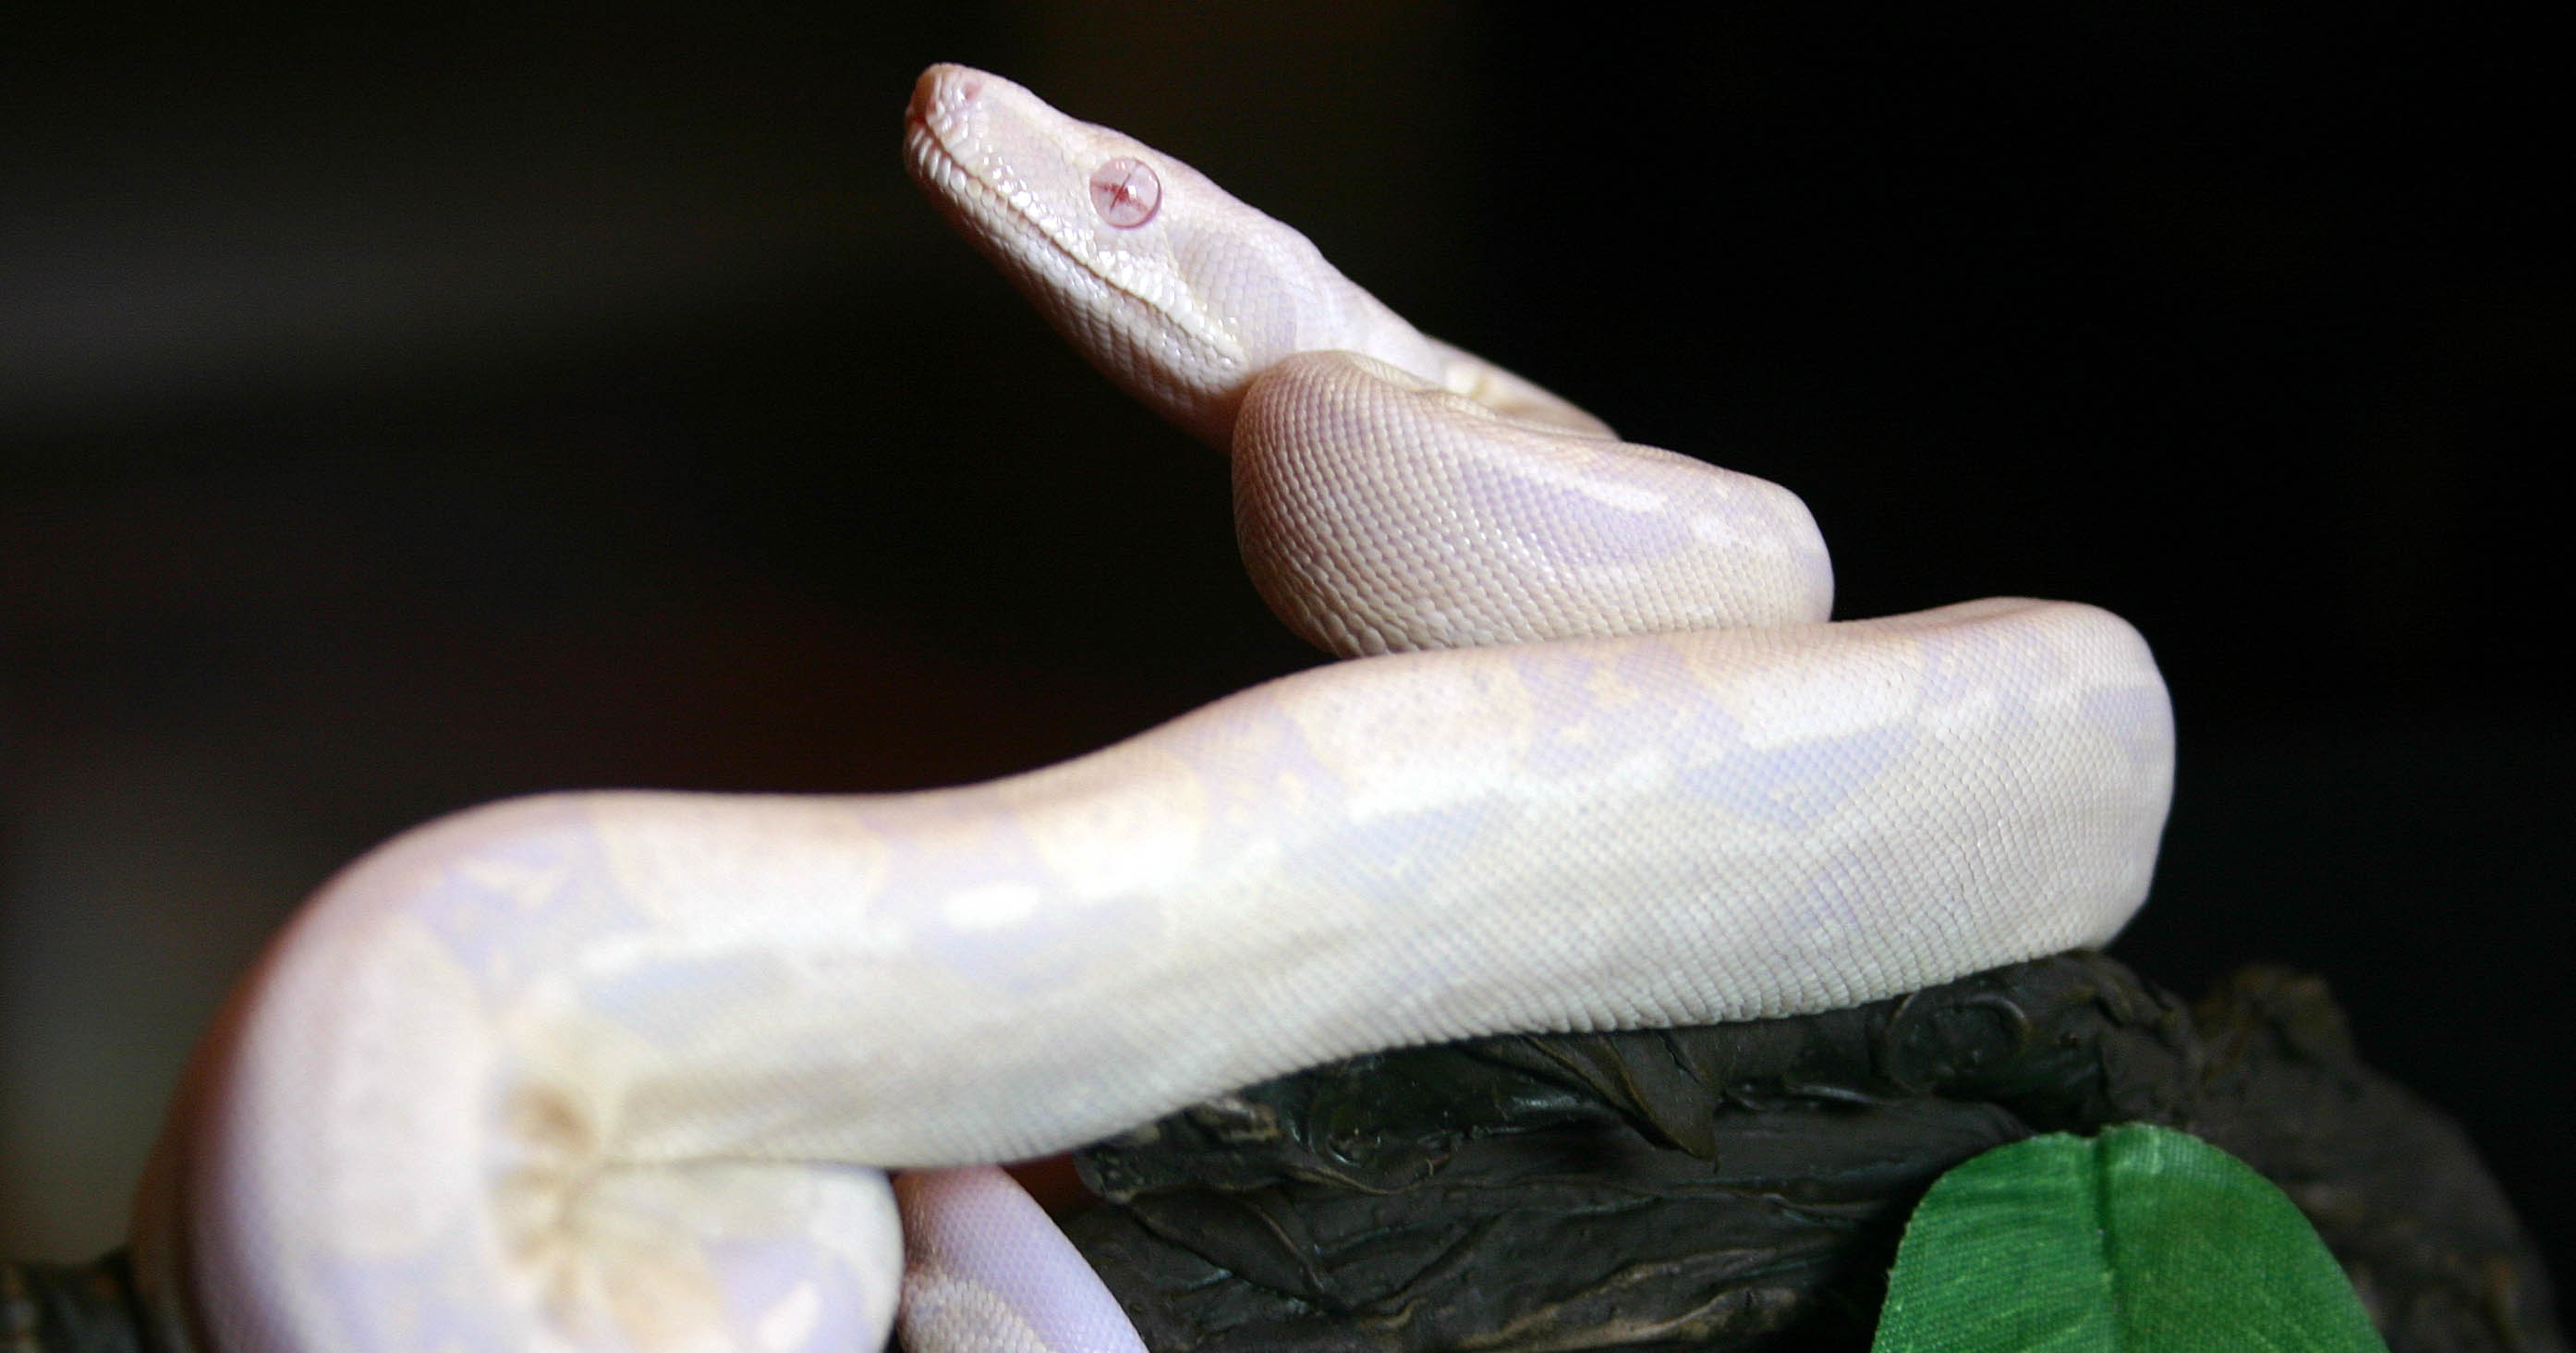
1239, 762
2136, 719
1565, 526
1383, 860
1054, 945
410, 1303
1576, 732
503, 937
1058, 944
979, 1224
1792, 787
756, 1275
1389, 860
1386, 862
1844, 897
671, 999
1962, 662
1796, 786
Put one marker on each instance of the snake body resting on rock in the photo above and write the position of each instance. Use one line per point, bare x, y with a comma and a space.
621, 1070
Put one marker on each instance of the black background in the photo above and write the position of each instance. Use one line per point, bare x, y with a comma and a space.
401, 411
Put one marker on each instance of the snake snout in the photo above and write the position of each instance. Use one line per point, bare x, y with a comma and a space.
942, 89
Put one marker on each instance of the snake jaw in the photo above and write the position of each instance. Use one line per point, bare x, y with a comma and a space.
1183, 302
1016, 177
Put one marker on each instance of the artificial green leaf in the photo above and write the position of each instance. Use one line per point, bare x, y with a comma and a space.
2141, 1240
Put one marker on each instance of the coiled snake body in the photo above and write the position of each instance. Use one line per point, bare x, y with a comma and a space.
622, 1070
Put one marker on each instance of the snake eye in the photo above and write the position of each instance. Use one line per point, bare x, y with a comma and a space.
1125, 192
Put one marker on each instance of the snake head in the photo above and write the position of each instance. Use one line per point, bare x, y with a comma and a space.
1176, 290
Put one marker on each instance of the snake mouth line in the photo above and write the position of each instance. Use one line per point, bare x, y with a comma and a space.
942, 169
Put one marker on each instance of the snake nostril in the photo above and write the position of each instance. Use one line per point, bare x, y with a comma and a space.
942, 90
1126, 192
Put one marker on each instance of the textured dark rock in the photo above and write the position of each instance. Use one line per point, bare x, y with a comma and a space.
1738, 1186
1744, 1186
70, 1308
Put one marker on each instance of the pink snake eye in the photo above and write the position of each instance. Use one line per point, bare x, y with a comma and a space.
1125, 192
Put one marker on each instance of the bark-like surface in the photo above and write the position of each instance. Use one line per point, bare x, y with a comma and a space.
70, 1308
1740, 1186
1745, 1185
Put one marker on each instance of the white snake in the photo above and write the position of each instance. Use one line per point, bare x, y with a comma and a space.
619, 1071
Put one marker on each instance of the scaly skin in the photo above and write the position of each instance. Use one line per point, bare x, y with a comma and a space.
620, 1071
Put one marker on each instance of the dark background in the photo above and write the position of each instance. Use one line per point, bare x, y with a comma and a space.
401, 411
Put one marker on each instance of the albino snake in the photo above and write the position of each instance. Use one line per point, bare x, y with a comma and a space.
621, 1070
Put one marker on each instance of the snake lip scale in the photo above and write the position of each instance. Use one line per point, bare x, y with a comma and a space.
625, 1071
933, 162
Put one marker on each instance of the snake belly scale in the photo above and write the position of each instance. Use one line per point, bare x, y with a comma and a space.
623, 1071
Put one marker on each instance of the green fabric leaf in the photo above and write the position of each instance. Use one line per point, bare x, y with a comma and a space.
2141, 1240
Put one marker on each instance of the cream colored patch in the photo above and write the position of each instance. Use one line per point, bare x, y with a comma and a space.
1439, 729
953, 1313
1825, 692
791, 1322
666, 853
412, 1049
1119, 822
1609, 688
529, 884
995, 906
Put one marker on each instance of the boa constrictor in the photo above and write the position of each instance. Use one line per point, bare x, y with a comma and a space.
622, 1070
